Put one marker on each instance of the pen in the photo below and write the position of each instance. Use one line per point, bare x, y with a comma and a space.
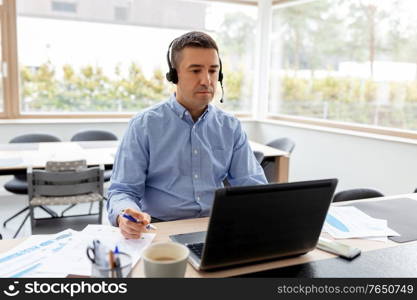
132, 219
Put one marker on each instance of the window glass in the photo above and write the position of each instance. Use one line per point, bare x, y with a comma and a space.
110, 56
346, 60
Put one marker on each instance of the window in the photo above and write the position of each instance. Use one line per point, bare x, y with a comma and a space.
349, 60
87, 63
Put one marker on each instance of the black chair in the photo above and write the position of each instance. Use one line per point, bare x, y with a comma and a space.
96, 135
356, 194
415, 191
268, 164
18, 185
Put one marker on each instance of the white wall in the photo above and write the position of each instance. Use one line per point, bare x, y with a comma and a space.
388, 166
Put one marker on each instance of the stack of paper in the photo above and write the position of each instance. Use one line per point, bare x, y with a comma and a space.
343, 222
65, 253
76, 261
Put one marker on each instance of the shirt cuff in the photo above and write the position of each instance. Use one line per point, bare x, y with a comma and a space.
116, 204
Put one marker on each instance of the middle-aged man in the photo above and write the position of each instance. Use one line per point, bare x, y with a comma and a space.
175, 154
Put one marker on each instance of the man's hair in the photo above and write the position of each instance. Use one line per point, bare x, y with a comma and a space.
193, 39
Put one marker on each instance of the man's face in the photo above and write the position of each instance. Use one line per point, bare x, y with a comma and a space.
198, 73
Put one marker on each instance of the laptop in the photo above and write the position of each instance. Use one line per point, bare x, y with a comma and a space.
262, 222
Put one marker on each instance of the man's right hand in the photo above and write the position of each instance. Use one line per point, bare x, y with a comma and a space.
132, 230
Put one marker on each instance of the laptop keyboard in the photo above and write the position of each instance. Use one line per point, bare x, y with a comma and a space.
196, 248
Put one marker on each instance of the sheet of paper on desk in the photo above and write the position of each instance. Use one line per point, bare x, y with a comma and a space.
25, 259
76, 261
349, 222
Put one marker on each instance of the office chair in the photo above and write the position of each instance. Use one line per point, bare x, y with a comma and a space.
65, 183
18, 185
268, 164
356, 194
415, 191
96, 135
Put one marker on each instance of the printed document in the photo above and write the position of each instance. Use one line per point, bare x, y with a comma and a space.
76, 261
343, 222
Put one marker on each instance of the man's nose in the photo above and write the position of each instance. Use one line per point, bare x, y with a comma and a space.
205, 78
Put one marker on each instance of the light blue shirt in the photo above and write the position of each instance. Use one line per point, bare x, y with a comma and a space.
169, 166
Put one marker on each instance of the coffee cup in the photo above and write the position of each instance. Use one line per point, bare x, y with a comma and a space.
165, 259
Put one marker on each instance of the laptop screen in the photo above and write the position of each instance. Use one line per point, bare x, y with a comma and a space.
266, 221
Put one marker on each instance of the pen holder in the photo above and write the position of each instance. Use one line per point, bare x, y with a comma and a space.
105, 271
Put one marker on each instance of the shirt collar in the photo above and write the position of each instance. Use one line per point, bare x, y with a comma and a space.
181, 110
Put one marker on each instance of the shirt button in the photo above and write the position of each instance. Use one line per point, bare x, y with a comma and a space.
196, 176
198, 198
195, 151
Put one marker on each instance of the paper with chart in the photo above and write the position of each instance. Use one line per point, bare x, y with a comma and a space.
28, 257
343, 222
76, 261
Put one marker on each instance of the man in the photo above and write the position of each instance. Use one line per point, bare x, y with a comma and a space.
176, 154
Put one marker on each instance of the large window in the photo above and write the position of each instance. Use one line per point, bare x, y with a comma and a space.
110, 56
346, 60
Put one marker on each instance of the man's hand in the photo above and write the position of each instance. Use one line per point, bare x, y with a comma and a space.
132, 230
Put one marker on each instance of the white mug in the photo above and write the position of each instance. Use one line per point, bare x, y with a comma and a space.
165, 259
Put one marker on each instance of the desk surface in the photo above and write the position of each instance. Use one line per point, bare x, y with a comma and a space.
166, 229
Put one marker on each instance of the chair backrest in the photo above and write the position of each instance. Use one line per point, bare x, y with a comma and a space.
32, 138
284, 144
415, 191
65, 182
94, 135
356, 194
65, 166
259, 156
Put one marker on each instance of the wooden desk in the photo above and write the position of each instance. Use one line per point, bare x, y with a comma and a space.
15, 158
184, 226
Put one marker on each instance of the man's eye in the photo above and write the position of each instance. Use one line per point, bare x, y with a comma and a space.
213, 71
195, 71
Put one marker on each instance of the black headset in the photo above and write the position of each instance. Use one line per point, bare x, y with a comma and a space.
172, 75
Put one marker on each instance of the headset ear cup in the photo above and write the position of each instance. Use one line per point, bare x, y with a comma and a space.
220, 76
174, 76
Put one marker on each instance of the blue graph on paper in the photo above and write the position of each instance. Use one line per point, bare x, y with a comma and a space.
336, 223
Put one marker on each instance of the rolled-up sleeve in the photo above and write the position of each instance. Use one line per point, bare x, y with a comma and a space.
129, 170
244, 168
